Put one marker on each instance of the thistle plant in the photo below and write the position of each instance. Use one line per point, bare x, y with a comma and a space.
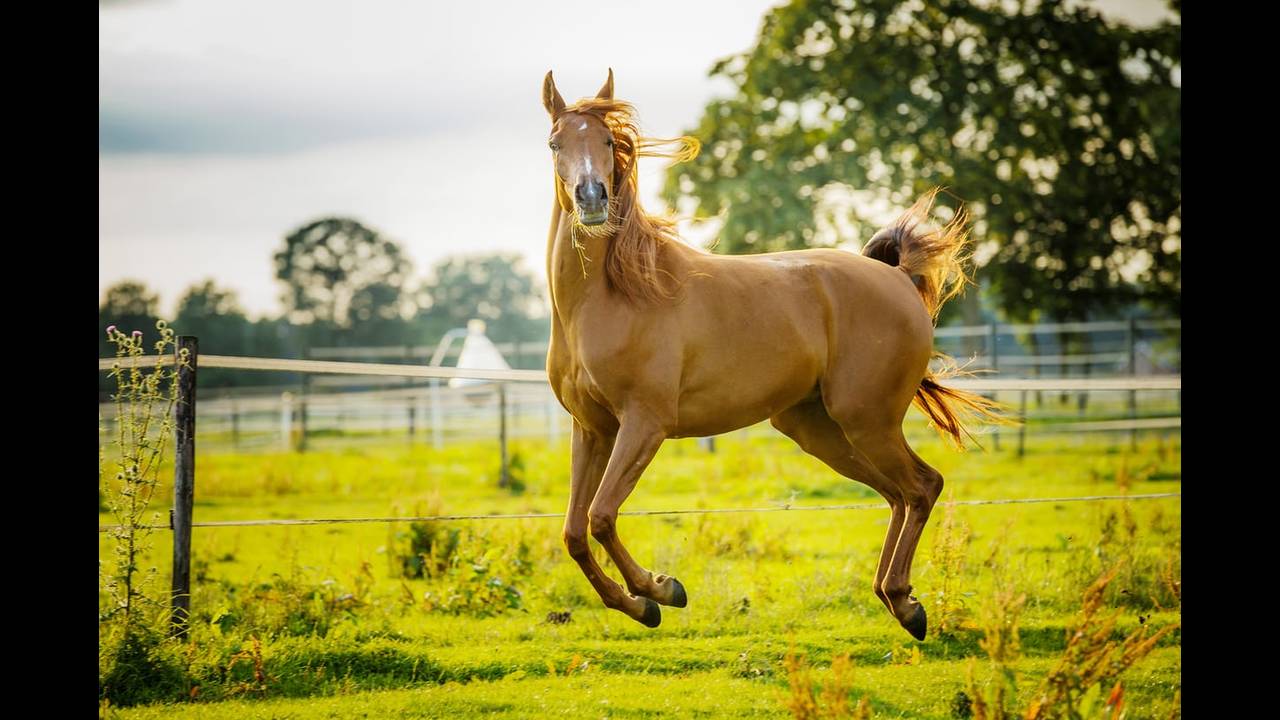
999, 618
1092, 662
144, 400
833, 702
950, 546
1084, 684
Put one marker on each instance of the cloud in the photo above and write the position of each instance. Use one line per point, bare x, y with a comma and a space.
236, 77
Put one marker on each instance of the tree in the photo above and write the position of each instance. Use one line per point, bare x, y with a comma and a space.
129, 305
214, 315
378, 315
206, 300
494, 288
1059, 129
326, 264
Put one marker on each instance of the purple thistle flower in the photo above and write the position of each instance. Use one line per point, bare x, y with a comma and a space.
137, 333
111, 330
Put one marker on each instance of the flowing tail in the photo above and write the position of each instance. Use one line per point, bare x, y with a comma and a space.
935, 263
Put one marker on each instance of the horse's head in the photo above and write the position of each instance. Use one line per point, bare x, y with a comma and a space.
582, 146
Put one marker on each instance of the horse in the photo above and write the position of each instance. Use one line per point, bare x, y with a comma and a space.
654, 339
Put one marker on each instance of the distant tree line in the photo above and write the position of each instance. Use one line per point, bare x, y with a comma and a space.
342, 284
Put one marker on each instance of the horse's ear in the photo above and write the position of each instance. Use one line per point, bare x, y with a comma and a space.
551, 99
606, 90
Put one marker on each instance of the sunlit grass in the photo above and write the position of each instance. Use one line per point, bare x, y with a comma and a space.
758, 583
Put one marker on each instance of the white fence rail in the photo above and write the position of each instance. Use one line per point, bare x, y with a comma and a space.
432, 409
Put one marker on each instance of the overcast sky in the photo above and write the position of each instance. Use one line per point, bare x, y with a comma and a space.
223, 125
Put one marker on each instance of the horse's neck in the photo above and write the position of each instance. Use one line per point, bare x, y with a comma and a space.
572, 273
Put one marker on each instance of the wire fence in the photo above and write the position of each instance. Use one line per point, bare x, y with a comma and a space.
181, 521
687, 511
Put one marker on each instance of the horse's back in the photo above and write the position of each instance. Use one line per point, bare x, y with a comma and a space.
852, 295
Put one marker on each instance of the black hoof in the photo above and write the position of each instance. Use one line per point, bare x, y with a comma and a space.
678, 597
652, 614
917, 624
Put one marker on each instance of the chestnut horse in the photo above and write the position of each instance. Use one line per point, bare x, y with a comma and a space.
653, 339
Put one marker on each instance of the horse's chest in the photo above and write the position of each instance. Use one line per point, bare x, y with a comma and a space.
576, 386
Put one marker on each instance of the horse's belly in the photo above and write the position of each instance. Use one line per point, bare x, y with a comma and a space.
745, 396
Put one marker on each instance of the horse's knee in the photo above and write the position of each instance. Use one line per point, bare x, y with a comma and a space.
576, 544
602, 525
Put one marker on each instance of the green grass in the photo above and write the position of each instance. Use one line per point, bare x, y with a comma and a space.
758, 584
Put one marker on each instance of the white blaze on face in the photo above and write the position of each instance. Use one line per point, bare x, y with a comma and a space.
583, 126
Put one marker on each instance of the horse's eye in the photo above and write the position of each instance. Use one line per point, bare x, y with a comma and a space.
608, 143
554, 147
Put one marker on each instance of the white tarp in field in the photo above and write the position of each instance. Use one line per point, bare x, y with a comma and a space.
478, 353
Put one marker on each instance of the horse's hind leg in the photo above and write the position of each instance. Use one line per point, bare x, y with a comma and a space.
817, 434
920, 486
924, 486
883, 461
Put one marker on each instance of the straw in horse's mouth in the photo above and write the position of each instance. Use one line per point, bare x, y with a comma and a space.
596, 218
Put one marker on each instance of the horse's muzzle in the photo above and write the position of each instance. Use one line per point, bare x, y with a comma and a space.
592, 201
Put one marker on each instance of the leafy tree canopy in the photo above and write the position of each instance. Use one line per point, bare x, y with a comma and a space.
1059, 129
129, 305
495, 288
206, 300
129, 298
327, 264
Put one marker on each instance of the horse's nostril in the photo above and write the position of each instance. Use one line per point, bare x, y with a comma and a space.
590, 192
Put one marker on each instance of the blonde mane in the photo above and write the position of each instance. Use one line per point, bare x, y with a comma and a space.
631, 261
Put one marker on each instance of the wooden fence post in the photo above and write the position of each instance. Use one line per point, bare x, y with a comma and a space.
412, 402
184, 483
286, 421
437, 416
235, 422
302, 408
1022, 429
1132, 343
504, 477
993, 333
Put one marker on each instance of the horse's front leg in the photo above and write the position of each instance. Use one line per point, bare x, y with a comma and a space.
590, 456
637, 442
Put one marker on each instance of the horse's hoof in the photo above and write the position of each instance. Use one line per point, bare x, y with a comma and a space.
652, 614
678, 597
917, 624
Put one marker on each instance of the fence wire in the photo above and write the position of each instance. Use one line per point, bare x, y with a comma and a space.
687, 511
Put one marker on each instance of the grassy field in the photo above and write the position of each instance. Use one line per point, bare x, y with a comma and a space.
329, 621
